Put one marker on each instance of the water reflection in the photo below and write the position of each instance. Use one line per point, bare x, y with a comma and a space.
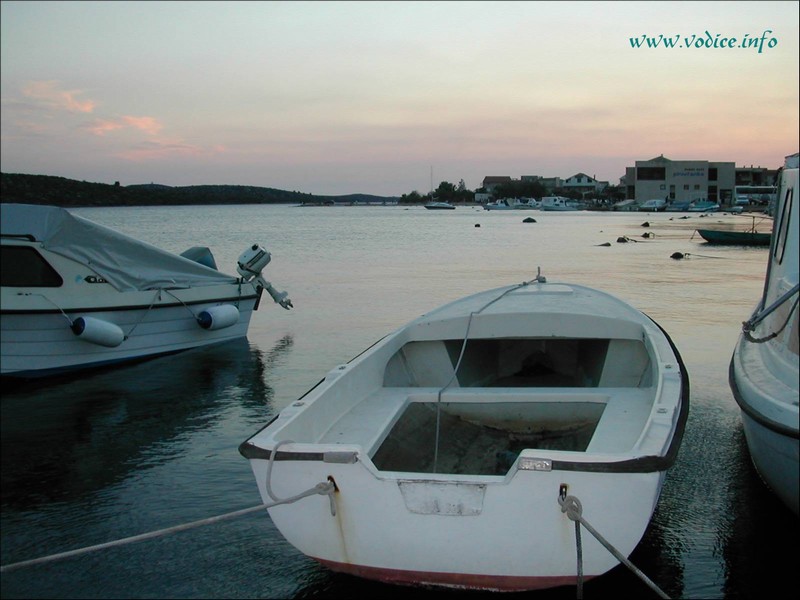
65, 438
759, 549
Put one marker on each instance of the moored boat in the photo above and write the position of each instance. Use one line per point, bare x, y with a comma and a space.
763, 371
750, 237
449, 449
76, 294
704, 206
437, 205
654, 205
513, 204
559, 204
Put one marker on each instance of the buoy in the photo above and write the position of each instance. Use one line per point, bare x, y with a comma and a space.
218, 317
477, 224
97, 332
529, 220
677, 255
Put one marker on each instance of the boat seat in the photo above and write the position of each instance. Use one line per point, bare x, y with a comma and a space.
369, 422
621, 424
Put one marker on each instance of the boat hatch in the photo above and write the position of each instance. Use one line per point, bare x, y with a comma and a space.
529, 362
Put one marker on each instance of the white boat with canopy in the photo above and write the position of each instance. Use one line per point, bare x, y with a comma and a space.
76, 294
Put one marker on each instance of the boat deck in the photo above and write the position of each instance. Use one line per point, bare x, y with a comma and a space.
396, 427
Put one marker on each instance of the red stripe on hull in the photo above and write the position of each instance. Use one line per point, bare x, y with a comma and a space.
469, 581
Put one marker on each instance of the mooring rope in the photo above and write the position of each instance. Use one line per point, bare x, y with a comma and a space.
572, 507
321, 488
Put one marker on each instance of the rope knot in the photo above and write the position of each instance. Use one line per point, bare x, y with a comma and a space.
572, 506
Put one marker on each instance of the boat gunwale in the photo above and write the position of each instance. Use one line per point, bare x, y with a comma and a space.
638, 464
129, 307
752, 412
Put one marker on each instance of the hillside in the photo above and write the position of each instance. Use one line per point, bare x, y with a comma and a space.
60, 191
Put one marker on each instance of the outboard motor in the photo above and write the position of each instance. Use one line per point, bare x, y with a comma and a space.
250, 264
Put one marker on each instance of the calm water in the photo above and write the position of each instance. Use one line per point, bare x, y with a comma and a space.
136, 449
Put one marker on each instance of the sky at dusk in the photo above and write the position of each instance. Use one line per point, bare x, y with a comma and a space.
371, 97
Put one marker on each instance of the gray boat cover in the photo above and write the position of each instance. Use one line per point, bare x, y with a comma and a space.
125, 262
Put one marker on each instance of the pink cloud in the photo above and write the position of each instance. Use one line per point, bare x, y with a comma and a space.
147, 124
48, 92
103, 126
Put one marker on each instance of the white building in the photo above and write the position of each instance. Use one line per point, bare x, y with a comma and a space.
584, 184
681, 180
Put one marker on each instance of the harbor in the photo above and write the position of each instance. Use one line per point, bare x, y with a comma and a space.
135, 449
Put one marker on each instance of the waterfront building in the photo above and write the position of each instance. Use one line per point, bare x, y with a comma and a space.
491, 182
583, 184
681, 180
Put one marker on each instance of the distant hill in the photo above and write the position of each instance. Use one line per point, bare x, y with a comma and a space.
60, 191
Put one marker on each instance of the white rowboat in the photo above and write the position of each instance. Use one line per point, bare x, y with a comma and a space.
450, 446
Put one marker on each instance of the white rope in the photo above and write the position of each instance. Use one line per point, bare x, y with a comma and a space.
149, 308
760, 315
66, 316
309, 492
321, 488
461, 356
572, 507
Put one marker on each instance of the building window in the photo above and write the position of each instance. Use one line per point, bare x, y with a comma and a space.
651, 173
686, 186
712, 173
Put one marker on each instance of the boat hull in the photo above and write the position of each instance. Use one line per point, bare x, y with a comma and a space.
509, 535
735, 238
39, 343
770, 422
775, 457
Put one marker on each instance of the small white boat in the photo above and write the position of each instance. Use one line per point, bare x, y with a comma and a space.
704, 206
448, 448
682, 206
76, 294
436, 205
559, 204
764, 367
513, 204
654, 205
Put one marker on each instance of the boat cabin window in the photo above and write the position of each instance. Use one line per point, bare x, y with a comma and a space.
511, 362
25, 267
